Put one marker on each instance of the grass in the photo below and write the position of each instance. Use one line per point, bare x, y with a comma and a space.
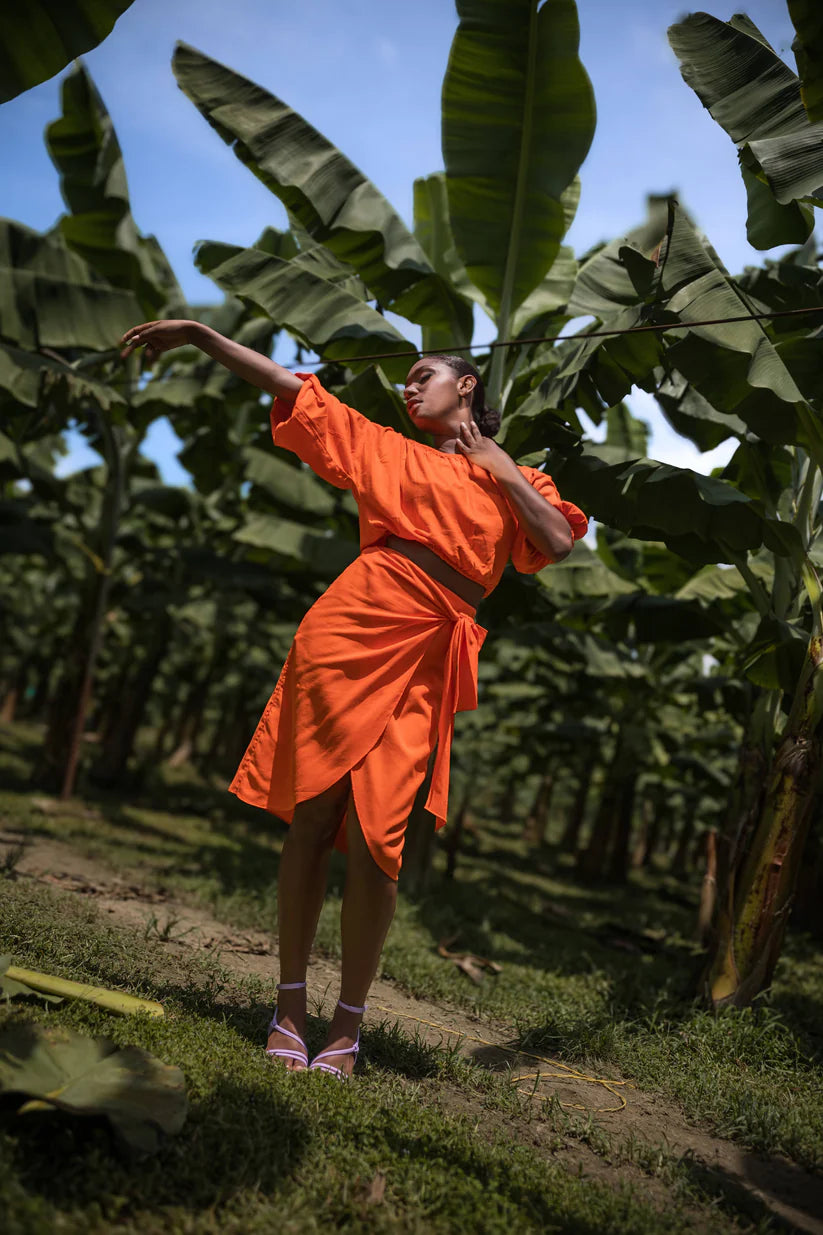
601, 978
261, 1148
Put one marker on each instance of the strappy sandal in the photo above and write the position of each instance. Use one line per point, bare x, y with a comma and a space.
284, 1052
317, 1066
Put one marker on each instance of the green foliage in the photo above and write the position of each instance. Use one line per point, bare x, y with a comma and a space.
326, 194
100, 227
62, 1070
756, 98
38, 38
518, 119
808, 49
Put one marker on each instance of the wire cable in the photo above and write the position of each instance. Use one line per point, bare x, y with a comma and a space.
557, 338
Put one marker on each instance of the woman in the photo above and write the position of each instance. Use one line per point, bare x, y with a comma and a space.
386, 656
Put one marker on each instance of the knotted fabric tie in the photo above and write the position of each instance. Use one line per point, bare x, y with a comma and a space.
459, 695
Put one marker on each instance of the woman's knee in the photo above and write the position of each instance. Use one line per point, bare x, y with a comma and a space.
317, 820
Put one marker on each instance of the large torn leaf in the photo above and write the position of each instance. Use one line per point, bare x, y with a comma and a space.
50, 297
323, 315
84, 148
756, 98
702, 518
330, 197
38, 38
56, 1068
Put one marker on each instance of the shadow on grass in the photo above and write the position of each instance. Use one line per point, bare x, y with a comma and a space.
240, 1137
767, 1189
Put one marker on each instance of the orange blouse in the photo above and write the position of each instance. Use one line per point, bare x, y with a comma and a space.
415, 491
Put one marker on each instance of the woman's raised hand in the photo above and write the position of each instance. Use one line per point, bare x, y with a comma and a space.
157, 337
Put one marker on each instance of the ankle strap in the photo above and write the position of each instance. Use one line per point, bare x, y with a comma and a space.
290, 986
350, 1008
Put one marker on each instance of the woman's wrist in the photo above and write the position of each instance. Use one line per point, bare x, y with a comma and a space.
197, 333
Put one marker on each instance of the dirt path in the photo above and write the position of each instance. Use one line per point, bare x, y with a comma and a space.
756, 1184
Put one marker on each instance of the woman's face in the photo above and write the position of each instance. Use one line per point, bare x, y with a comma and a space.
433, 392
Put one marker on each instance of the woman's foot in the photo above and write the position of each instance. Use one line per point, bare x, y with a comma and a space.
342, 1042
291, 1016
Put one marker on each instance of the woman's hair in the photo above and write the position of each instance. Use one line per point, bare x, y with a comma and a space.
486, 418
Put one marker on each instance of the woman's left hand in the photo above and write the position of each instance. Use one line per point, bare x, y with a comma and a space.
483, 450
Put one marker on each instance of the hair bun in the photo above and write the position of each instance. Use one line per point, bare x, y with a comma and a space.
487, 420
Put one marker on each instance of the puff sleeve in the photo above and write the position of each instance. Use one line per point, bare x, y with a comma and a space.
339, 444
525, 557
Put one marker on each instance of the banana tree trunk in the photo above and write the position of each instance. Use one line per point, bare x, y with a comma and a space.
746, 798
648, 837
535, 830
680, 857
454, 837
591, 861
708, 891
119, 740
418, 848
761, 887
619, 860
67, 719
577, 814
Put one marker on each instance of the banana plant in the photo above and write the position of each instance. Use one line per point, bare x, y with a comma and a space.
38, 40
759, 102
489, 230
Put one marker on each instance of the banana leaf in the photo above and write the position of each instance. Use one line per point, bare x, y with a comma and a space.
84, 148
699, 517
807, 19
326, 194
734, 365
296, 488
433, 231
323, 315
56, 1069
296, 547
692, 416
582, 576
38, 38
373, 395
756, 98
28, 377
21, 534
518, 120
605, 282
50, 297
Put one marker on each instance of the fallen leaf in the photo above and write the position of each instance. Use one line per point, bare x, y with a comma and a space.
59, 1069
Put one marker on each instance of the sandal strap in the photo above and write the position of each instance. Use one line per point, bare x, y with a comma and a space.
343, 1050
328, 1067
291, 986
284, 1053
276, 1027
350, 1007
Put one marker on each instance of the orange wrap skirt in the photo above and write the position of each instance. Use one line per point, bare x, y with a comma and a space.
378, 668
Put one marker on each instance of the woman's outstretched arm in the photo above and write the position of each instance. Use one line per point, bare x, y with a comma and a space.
159, 337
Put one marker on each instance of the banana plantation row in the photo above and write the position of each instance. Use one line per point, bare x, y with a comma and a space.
660, 692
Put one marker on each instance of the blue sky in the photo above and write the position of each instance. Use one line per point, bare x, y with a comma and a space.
368, 74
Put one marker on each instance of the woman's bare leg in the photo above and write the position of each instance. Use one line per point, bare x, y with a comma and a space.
369, 900
301, 887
